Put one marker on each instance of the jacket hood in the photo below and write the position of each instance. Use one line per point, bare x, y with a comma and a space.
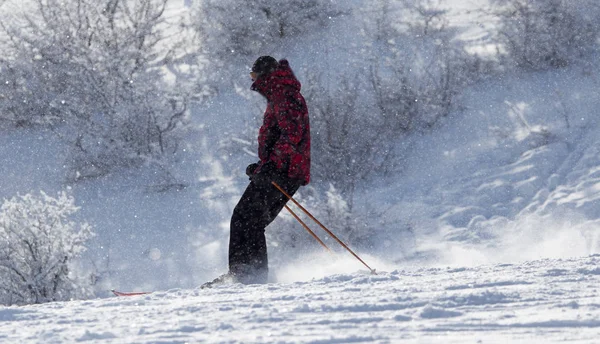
280, 79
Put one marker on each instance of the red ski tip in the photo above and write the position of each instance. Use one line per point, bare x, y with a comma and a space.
120, 293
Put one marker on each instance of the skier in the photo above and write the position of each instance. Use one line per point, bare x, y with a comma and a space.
284, 153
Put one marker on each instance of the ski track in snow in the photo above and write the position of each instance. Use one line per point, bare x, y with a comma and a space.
541, 301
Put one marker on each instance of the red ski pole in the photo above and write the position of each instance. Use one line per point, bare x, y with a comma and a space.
322, 226
308, 229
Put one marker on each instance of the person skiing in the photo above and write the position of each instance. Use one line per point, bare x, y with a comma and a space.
284, 158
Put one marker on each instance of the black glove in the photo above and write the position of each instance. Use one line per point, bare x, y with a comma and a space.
251, 168
268, 173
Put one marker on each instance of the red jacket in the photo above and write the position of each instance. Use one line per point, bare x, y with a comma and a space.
284, 137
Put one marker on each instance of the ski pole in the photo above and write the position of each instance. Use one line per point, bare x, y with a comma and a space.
308, 229
323, 227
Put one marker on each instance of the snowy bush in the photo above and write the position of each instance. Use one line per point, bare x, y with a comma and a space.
413, 75
96, 72
39, 243
231, 28
351, 142
417, 66
544, 34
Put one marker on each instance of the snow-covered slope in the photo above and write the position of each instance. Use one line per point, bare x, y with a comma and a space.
540, 301
512, 175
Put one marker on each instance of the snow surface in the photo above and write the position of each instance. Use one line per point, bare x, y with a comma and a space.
503, 199
540, 301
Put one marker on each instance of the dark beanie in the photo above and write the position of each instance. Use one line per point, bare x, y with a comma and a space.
264, 65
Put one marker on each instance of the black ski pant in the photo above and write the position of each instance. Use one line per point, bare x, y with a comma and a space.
258, 207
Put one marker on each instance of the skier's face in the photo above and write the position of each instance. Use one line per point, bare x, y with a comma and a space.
253, 76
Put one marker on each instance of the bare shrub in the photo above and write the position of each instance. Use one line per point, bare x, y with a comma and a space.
96, 72
544, 34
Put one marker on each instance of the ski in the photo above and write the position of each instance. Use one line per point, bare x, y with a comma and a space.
120, 293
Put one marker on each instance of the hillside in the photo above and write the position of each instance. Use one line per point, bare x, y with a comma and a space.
538, 301
511, 174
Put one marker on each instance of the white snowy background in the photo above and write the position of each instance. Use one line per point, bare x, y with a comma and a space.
489, 234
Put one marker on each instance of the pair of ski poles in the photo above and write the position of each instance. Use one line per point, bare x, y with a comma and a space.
320, 225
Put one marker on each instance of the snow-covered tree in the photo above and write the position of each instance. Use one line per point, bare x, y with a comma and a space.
351, 142
544, 34
245, 27
417, 67
406, 79
97, 72
39, 242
